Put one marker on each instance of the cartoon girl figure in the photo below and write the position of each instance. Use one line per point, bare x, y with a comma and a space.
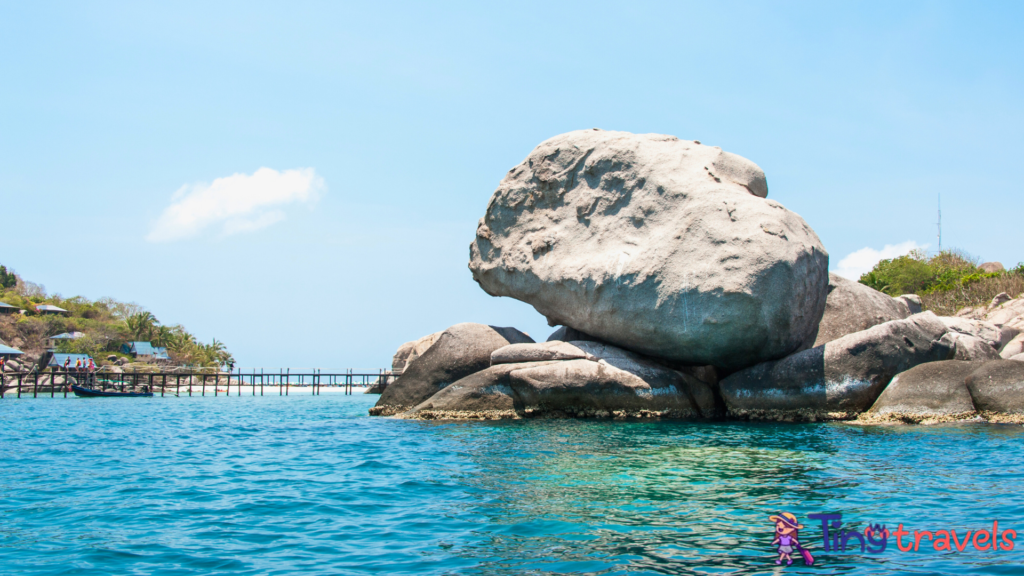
786, 536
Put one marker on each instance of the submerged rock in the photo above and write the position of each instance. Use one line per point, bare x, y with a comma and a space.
654, 244
839, 379
458, 352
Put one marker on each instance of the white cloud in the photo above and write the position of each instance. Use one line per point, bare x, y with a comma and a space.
862, 261
242, 203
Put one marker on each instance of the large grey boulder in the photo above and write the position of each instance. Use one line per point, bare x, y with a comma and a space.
998, 387
458, 352
852, 307
654, 244
932, 390
841, 378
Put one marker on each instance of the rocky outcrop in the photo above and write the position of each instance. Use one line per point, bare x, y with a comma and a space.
412, 350
1002, 312
839, 379
654, 244
997, 387
458, 352
581, 378
932, 391
913, 302
985, 331
970, 348
852, 307
992, 267
485, 395
544, 351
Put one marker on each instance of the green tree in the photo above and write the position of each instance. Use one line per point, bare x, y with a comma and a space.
7, 279
903, 275
141, 325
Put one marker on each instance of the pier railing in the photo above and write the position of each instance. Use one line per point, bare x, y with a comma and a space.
186, 382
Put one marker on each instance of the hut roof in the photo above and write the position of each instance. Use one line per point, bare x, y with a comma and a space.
48, 308
68, 336
9, 350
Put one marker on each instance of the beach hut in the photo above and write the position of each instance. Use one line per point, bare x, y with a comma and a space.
6, 308
53, 341
49, 309
145, 351
8, 353
57, 359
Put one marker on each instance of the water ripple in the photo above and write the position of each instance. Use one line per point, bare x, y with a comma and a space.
303, 485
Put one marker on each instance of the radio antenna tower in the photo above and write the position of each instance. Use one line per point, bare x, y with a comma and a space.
940, 222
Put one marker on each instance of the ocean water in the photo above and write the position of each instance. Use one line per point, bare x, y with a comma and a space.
311, 485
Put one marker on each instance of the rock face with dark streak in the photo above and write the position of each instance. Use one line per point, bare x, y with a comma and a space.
458, 352
839, 379
852, 307
654, 244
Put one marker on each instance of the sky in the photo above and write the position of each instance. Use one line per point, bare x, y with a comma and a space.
301, 180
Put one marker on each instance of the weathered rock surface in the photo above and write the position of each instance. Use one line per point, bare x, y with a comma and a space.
986, 331
969, 348
581, 378
411, 350
990, 267
484, 395
1001, 312
540, 352
587, 388
913, 302
458, 352
998, 387
657, 245
841, 378
852, 307
1014, 347
1018, 357
932, 390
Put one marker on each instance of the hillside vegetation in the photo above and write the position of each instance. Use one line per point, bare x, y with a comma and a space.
106, 323
946, 282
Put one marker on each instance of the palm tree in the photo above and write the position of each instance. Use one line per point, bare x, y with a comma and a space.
141, 325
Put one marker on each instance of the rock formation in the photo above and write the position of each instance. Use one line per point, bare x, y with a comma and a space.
655, 244
852, 307
998, 387
579, 378
839, 379
459, 351
936, 390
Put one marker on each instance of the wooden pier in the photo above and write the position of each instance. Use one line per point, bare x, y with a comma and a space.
183, 382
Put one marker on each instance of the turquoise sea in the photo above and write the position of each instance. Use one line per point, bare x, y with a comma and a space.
311, 485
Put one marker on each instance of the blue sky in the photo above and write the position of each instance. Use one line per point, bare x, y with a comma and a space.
404, 117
